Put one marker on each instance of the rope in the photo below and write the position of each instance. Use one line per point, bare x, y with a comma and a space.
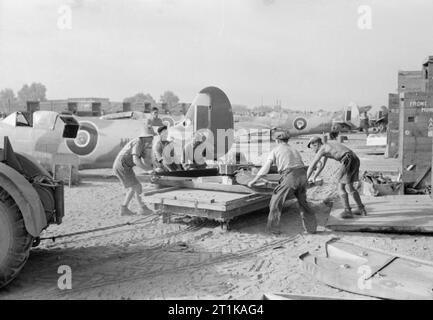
53, 238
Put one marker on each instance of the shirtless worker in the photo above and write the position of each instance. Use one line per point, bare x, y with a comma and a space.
134, 153
163, 152
347, 174
293, 182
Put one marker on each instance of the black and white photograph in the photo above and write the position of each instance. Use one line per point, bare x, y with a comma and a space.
228, 152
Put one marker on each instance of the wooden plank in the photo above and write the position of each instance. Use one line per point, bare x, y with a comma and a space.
192, 184
393, 276
243, 178
157, 191
403, 213
192, 198
184, 203
190, 173
421, 177
202, 205
214, 214
291, 296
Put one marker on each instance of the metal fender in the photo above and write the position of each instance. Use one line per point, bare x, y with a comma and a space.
26, 198
31, 166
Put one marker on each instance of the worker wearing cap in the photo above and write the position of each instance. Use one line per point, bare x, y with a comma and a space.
135, 153
293, 182
347, 174
163, 152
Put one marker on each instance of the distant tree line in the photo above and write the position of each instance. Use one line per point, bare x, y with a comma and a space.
168, 99
10, 102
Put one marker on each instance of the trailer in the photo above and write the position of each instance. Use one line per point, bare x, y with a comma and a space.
217, 197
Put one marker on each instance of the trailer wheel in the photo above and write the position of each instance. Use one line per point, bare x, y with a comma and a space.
15, 241
225, 225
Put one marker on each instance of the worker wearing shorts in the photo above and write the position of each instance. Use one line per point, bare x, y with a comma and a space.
134, 153
349, 169
347, 174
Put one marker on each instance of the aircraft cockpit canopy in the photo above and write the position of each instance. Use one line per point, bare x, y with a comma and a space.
50, 120
45, 120
17, 119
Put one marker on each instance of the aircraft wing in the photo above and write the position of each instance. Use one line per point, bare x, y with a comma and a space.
246, 125
118, 116
341, 124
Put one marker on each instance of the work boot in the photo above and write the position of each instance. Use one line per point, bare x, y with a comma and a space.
144, 210
361, 209
272, 229
309, 222
124, 211
345, 214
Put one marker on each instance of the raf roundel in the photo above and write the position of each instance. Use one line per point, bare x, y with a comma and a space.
167, 121
86, 140
300, 123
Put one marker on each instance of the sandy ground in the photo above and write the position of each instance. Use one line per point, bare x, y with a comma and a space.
144, 258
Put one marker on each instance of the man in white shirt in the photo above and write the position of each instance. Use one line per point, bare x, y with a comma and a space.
293, 182
134, 153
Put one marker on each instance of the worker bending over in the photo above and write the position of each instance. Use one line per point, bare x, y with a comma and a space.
163, 152
293, 182
197, 151
134, 153
347, 174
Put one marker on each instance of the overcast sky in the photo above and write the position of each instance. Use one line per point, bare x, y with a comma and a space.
306, 53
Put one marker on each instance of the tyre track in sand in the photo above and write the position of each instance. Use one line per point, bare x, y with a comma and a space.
165, 260
133, 227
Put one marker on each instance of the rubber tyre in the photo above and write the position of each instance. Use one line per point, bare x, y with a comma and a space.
15, 241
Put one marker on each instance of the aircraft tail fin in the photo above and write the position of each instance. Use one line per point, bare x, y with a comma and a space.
351, 114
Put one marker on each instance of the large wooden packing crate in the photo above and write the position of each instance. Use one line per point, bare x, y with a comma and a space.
221, 206
416, 131
393, 123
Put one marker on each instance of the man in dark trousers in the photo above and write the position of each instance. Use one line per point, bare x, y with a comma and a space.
293, 182
347, 175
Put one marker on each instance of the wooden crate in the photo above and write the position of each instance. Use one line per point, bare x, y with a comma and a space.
393, 126
416, 131
216, 205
